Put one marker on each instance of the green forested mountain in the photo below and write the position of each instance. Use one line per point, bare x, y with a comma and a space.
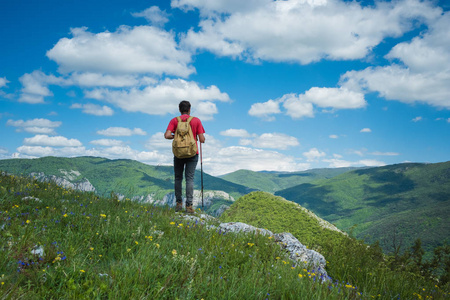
127, 177
395, 204
275, 181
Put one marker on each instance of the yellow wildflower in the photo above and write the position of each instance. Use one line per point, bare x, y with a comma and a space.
174, 252
28, 222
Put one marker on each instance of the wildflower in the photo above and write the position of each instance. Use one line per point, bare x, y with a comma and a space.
82, 271
300, 275
277, 257
103, 215
28, 222
65, 215
157, 246
136, 242
128, 250
172, 223
251, 244
174, 252
91, 249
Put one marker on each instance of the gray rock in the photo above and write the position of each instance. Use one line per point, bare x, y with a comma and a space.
300, 254
242, 227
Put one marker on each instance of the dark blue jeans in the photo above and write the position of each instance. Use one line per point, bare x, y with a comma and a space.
187, 165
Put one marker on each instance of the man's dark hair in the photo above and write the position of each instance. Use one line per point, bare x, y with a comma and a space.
184, 106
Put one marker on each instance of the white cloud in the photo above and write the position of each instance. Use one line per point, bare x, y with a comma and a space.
107, 142
339, 163
378, 153
218, 161
51, 141
337, 98
153, 15
135, 50
121, 131
300, 31
93, 109
417, 119
3, 82
163, 98
89, 79
333, 136
278, 141
36, 126
157, 141
314, 154
264, 110
35, 87
296, 107
299, 106
242, 133
366, 130
424, 75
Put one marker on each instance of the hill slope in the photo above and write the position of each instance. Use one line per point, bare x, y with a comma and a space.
127, 177
274, 181
402, 202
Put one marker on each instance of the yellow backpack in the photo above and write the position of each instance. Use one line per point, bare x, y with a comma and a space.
184, 144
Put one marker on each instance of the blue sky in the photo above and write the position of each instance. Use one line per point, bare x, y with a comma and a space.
279, 85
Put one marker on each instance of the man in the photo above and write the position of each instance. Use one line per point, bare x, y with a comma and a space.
187, 165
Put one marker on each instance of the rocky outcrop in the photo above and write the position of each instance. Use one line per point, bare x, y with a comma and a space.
65, 181
298, 253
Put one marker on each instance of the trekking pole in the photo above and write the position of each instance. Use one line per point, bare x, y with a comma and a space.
201, 171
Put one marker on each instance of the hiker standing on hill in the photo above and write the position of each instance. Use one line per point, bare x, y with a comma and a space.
187, 160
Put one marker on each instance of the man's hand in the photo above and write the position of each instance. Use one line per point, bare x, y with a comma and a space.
169, 135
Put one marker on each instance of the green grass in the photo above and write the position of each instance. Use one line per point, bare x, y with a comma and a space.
348, 260
97, 248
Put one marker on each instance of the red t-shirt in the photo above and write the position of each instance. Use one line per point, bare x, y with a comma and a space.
196, 126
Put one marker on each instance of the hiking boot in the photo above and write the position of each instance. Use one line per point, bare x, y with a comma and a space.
190, 209
179, 207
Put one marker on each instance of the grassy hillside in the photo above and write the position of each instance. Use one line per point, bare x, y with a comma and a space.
348, 259
66, 244
127, 177
274, 181
402, 202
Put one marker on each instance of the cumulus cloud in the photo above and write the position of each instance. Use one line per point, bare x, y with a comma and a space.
278, 141
242, 133
157, 141
35, 86
36, 126
128, 50
93, 109
51, 141
302, 105
422, 75
339, 163
264, 110
378, 153
163, 98
300, 31
314, 154
230, 159
3, 82
121, 131
107, 142
89, 79
153, 15
366, 130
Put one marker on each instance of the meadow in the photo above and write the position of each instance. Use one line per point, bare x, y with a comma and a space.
59, 243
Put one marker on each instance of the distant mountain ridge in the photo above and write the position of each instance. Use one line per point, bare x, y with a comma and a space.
128, 178
399, 202
272, 182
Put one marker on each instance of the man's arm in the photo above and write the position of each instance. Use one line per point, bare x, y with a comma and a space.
201, 138
168, 135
